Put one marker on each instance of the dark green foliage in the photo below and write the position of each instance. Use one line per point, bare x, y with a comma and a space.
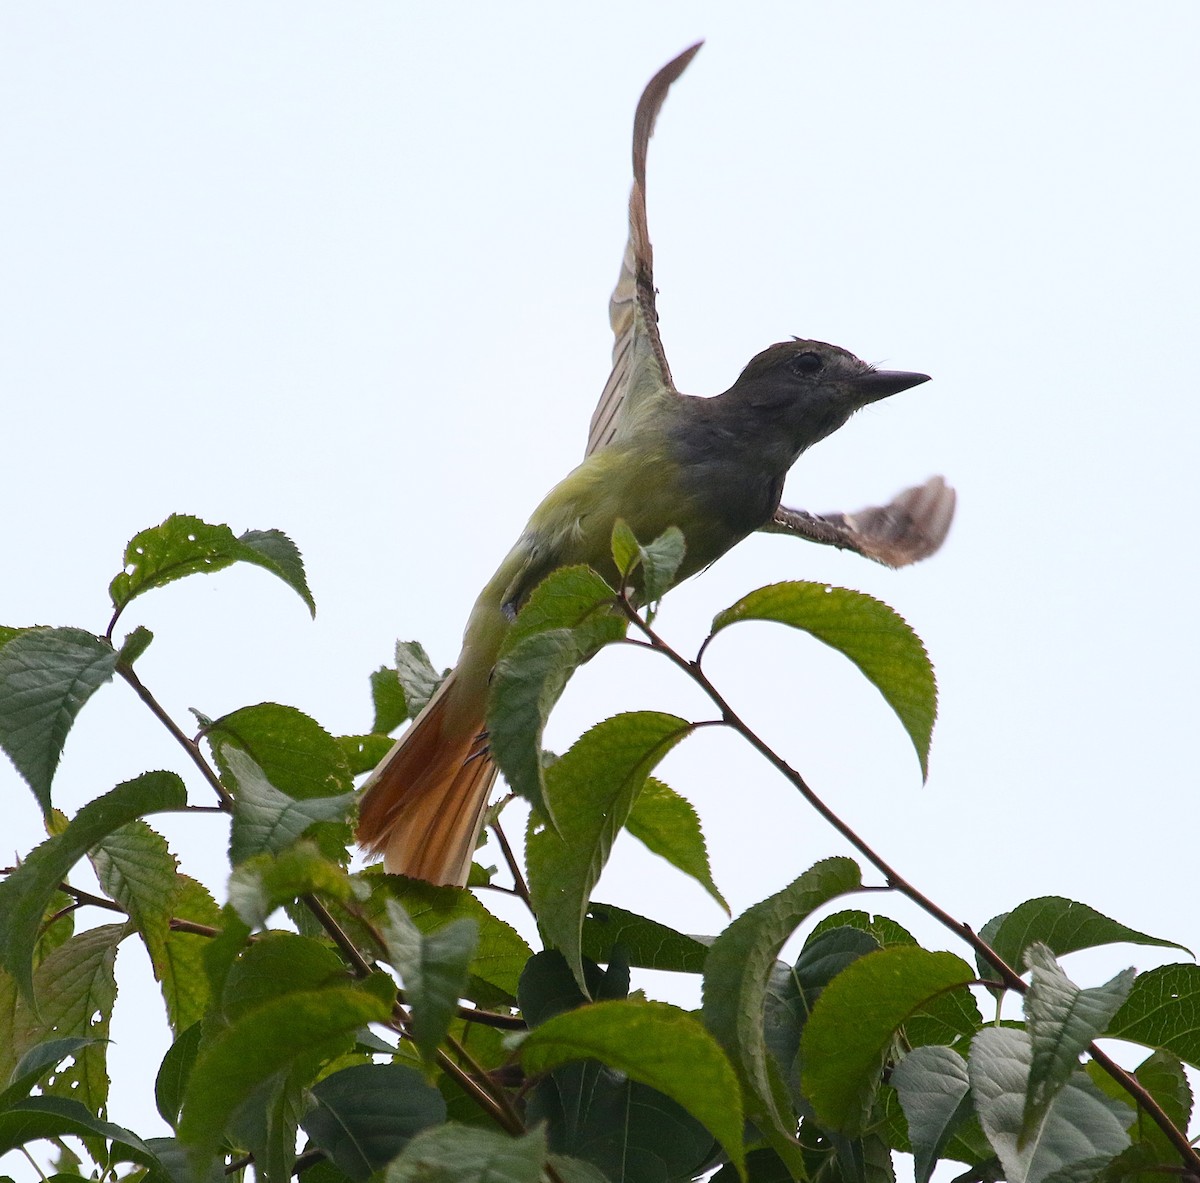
400, 1031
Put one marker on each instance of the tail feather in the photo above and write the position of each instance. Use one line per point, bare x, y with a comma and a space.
425, 801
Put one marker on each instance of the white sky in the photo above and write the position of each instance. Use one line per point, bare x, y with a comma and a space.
343, 270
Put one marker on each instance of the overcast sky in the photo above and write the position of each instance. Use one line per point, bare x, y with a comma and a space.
343, 271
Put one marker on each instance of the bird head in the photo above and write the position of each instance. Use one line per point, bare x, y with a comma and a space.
806, 390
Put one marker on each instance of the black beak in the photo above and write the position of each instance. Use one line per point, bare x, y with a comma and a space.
876, 384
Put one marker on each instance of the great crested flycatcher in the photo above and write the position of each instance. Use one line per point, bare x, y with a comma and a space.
713, 467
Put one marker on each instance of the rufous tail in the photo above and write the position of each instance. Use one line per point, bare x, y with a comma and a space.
424, 803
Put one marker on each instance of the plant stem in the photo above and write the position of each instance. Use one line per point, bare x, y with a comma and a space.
189, 745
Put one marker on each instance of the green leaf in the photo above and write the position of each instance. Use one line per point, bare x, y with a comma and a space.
1062, 925
455, 1153
55, 1117
299, 1030
868, 632
416, 675
134, 645
646, 943
264, 882
46, 675
266, 820
1063, 1020
736, 979
26, 892
1079, 1123
572, 598
661, 560
566, 621
656, 1044
885, 931
174, 1072
363, 1116
1160, 1012
185, 545
75, 989
590, 791
668, 825
185, 985
433, 971
296, 754
36, 1063
389, 700
363, 752
793, 992
501, 953
626, 552
276, 965
933, 1088
851, 1027
279, 555
136, 869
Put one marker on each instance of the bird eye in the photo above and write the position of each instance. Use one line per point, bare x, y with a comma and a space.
807, 363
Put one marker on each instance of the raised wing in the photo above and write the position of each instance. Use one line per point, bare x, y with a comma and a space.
911, 527
640, 372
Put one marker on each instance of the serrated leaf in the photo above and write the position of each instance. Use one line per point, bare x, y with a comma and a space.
55, 1117
933, 1088
873, 636
1062, 925
590, 791
792, 992
1160, 1012
364, 1115
185, 545
296, 754
501, 953
852, 1024
265, 882
416, 676
661, 560
266, 821
736, 979
885, 931
46, 676
389, 701
1079, 1123
75, 989
298, 1030
26, 892
185, 985
281, 556
1062, 1021
572, 598
525, 685
668, 825
136, 869
363, 752
36, 1063
626, 552
276, 965
455, 1153
644, 942
433, 971
134, 645
656, 1044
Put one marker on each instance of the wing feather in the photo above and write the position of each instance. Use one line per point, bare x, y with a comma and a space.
640, 371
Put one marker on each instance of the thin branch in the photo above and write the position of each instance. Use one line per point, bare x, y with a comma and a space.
520, 887
189, 745
897, 882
